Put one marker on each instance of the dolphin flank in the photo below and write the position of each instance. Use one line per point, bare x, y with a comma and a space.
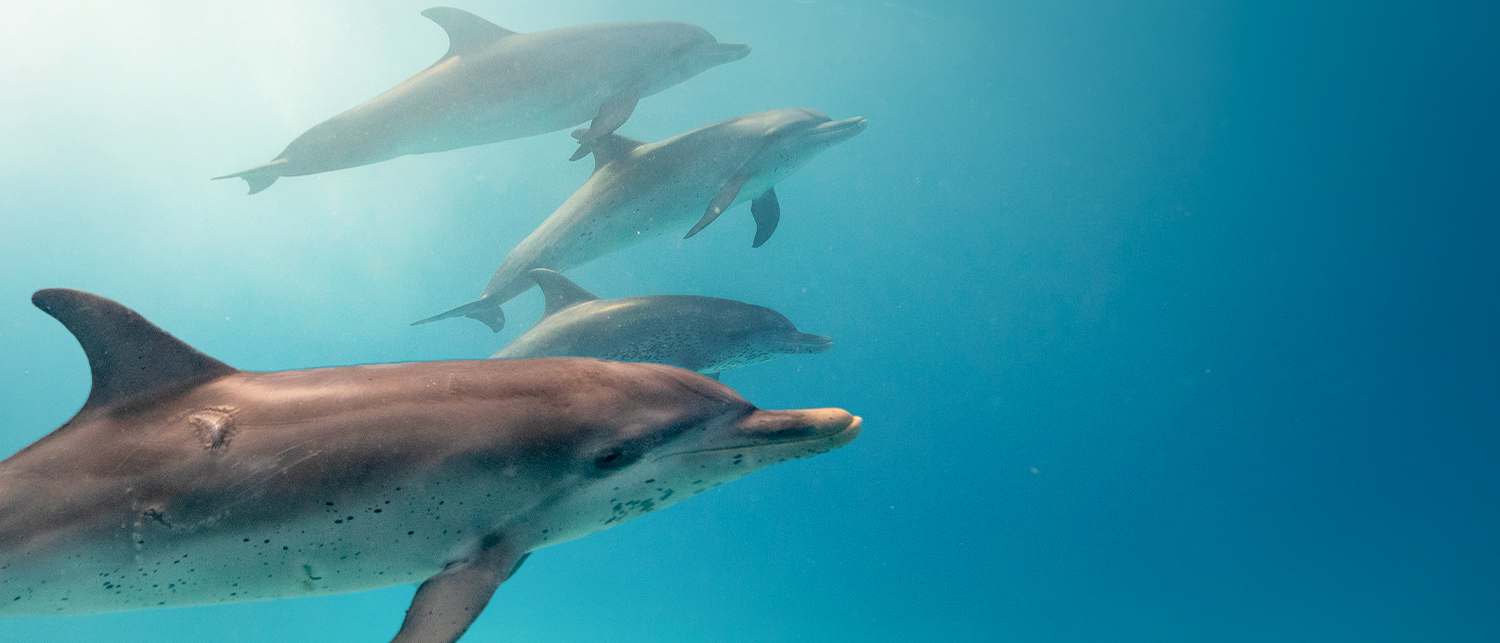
183, 481
641, 190
494, 85
704, 334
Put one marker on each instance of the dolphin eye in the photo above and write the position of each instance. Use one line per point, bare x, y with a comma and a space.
615, 459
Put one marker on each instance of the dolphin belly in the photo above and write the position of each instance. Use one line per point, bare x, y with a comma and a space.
421, 125
546, 109
402, 534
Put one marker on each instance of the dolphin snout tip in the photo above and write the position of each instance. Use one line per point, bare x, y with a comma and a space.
846, 428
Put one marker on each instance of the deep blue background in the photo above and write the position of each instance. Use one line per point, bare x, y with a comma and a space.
1169, 320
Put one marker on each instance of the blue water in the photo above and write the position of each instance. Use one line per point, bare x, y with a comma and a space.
1169, 321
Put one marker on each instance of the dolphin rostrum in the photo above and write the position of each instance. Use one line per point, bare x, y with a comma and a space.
183, 481
704, 334
495, 85
641, 190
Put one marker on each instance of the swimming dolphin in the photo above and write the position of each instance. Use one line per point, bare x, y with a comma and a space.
704, 334
183, 481
495, 85
641, 190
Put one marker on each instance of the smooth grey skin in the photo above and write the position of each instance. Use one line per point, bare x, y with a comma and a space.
495, 85
640, 190
183, 481
704, 334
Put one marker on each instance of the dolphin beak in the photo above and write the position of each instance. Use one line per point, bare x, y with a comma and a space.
834, 132
810, 343
806, 431
718, 53
765, 428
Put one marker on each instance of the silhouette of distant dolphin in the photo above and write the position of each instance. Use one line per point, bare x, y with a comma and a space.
183, 481
495, 85
704, 334
641, 190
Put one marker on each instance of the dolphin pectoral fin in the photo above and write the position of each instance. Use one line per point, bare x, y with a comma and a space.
767, 212
713, 375
480, 310
467, 32
612, 114
447, 604
721, 202
259, 177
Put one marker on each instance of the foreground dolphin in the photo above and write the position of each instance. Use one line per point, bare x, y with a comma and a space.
704, 334
495, 85
641, 190
183, 481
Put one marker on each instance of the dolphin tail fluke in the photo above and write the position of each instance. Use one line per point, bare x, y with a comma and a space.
259, 177
482, 310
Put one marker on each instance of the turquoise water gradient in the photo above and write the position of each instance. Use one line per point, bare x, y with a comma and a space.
1169, 320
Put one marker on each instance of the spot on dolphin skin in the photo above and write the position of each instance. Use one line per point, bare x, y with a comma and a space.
309, 578
157, 515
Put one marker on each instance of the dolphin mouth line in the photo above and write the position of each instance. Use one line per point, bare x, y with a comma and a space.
723, 52
812, 346
839, 129
853, 426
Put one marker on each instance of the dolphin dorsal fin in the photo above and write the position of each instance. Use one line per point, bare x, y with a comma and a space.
608, 147
466, 31
128, 356
560, 291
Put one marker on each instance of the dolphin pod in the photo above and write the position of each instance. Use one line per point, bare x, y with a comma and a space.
183, 481
494, 85
704, 334
640, 190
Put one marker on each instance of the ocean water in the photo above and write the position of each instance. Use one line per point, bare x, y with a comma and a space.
1169, 320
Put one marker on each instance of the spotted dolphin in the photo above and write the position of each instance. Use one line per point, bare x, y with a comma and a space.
183, 481
641, 190
704, 334
494, 85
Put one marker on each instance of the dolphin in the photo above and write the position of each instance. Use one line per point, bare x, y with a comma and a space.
183, 481
704, 334
641, 190
494, 85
